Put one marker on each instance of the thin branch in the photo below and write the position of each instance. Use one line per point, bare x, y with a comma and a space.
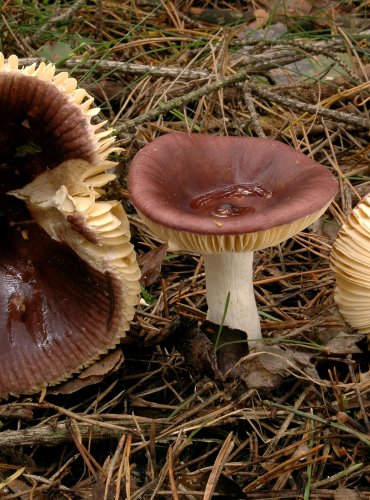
296, 105
241, 76
275, 57
194, 95
359, 435
125, 68
253, 113
65, 16
56, 435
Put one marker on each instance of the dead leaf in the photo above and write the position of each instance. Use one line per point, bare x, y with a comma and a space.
341, 342
326, 228
150, 264
311, 70
293, 7
219, 16
15, 410
198, 346
19, 487
194, 345
232, 346
346, 494
365, 377
249, 35
93, 374
301, 452
106, 90
197, 481
267, 368
55, 51
261, 18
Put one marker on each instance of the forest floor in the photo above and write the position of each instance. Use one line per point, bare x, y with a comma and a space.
146, 424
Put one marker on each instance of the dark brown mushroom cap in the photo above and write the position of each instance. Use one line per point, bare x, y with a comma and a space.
68, 272
206, 185
57, 313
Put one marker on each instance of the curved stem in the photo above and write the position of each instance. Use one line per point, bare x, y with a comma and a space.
232, 272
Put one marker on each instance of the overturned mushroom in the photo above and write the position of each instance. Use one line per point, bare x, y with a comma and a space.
226, 197
350, 262
68, 272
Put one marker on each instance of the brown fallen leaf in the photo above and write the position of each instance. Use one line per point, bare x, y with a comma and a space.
267, 367
365, 376
261, 18
196, 347
15, 410
93, 374
232, 346
346, 494
107, 90
197, 481
340, 342
297, 7
220, 16
150, 264
17, 486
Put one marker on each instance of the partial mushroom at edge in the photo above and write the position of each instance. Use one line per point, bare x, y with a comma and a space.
350, 261
68, 272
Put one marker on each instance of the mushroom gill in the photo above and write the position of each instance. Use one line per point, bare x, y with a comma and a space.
68, 272
351, 265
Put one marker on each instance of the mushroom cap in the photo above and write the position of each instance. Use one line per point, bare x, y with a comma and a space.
350, 262
69, 280
212, 194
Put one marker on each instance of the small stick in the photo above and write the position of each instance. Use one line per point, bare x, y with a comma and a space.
284, 467
358, 393
336, 116
99, 19
359, 435
112, 466
220, 461
171, 475
165, 302
252, 111
65, 16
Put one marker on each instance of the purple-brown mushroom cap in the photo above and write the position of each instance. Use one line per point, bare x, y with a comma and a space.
68, 272
212, 194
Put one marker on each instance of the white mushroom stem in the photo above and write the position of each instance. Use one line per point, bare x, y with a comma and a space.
232, 272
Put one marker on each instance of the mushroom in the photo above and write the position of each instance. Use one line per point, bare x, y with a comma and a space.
68, 272
351, 264
225, 197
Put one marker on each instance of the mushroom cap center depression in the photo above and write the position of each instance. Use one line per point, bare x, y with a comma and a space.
231, 201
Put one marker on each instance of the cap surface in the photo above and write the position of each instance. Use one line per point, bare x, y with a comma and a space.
211, 194
350, 261
68, 272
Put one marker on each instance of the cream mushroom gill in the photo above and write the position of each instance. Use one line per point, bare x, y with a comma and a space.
350, 262
68, 272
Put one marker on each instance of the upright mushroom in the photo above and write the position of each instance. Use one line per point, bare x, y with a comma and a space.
226, 197
350, 262
68, 272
